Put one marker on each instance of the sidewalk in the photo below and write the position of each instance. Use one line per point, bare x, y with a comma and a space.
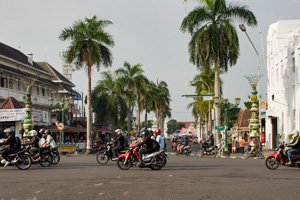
266, 152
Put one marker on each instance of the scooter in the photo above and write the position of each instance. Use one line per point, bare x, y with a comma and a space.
185, 151
205, 149
154, 160
279, 158
106, 154
18, 158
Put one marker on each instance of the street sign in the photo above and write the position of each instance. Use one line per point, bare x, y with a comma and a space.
220, 127
60, 126
131, 132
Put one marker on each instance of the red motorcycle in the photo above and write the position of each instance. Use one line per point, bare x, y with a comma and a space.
154, 160
279, 158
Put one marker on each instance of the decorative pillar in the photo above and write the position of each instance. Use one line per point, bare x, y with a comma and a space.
28, 121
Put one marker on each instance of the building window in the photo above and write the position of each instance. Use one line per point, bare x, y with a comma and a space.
10, 82
19, 84
37, 89
3, 81
43, 91
293, 65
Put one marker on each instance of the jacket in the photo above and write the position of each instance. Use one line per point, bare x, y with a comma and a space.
120, 141
148, 142
295, 144
35, 141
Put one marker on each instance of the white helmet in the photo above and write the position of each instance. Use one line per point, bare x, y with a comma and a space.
118, 131
33, 132
295, 133
8, 131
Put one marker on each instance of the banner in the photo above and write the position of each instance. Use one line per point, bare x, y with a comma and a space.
12, 115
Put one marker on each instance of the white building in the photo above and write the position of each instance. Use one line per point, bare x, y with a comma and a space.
283, 70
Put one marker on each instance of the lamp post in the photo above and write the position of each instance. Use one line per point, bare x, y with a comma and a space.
217, 103
226, 152
65, 104
243, 28
237, 101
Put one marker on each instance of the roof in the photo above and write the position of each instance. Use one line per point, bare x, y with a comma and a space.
10, 103
243, 117
46, 66
18, 56
22, 73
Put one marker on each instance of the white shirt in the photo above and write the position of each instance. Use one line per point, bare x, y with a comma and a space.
50, 141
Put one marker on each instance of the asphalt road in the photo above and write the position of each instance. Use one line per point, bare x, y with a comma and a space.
81, 177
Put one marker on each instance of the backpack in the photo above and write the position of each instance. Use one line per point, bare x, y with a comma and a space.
156, 145
17, 144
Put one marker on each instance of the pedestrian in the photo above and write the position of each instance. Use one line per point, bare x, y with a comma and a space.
234, 144
242, 144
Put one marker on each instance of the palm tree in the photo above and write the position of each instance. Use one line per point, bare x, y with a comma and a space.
132, 79
214, 38
89, 47
109, 101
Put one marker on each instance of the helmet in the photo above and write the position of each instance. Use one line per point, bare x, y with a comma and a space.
118, 131
295, 133
47, 132
157, 131
145, 132
8, 131
152, 137
33, 132
42, 130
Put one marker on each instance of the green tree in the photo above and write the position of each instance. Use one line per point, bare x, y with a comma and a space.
89, 47
214, 41
248, 104
172, 126
109, 101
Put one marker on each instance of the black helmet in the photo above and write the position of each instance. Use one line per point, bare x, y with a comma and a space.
47, 132
146, 133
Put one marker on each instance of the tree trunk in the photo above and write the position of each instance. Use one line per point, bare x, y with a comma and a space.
138, 117
89, 113
217, 107
129, 119
146, 122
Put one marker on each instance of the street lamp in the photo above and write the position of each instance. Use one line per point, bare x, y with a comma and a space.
243, 28
65, 104
237, 101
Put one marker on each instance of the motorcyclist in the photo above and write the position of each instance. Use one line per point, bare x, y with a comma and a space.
41, 132
295, 144
149, 145
34, 142
159, 139
185, 143
11, 141
120, 141
49, 140
209, 142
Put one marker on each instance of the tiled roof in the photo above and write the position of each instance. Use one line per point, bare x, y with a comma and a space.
243, 117
17, 55
46, 66
10, 103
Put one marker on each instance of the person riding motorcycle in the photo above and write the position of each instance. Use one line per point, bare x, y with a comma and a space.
149, 145
49, 140
185, 143
34, 142
120, 141
159, 139
11, 141
295, 144
209, 142
41, 132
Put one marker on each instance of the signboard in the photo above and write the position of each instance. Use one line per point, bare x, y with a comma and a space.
220, 127
67, 148
12, 114
37, 115
60, 126
262, 109
131, 132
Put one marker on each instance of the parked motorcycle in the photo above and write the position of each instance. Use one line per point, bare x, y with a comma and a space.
106, 154
154, 160
18, 158
185, 151
280, 158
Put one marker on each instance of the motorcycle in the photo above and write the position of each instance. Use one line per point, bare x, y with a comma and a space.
46, 157
18, 158
185, 151
154, 160
280, 158
205, 149
105, 153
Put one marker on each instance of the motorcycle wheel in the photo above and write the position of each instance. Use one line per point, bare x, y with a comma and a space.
201, 153
56, 158
102, 158
213, 153
158, 164
177, 153
23, 162
187, 152
164, 160
121, 164
272, 163
46, 160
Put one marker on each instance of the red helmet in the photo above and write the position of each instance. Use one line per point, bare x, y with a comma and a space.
157, 131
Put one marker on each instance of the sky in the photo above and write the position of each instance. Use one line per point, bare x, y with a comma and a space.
145, 32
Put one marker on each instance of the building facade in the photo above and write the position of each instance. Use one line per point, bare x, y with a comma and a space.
283, 81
